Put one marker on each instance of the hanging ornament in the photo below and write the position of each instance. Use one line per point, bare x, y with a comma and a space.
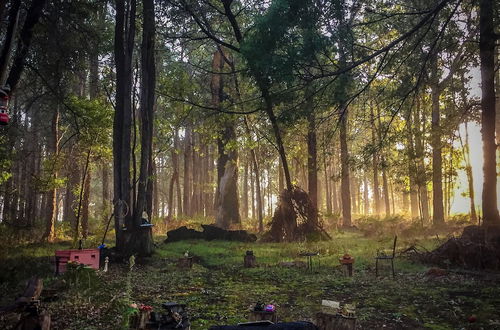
4, 105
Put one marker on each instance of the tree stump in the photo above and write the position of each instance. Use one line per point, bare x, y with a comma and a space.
263, 316
185, 263
249, 260
347, 263
327, 321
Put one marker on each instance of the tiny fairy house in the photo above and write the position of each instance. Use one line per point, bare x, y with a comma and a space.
88, 257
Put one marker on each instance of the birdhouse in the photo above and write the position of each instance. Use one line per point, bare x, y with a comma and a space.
4, 106
347, 263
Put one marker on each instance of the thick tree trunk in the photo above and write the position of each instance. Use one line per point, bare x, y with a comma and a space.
345, 182
141, 237
421, 176
123, 49
226, 196
227, 204
487, 38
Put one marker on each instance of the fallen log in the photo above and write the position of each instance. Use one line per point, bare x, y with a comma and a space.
27, 305
31, 293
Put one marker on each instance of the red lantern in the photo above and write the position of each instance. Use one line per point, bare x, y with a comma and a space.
4, 106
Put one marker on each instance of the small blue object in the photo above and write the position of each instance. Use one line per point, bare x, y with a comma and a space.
102, 246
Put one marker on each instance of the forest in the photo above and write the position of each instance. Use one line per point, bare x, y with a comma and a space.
289, 155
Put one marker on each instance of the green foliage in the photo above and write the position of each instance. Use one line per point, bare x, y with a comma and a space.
281, 40
93, 123
80, 277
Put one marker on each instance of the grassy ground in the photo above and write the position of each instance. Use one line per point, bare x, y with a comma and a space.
218, 290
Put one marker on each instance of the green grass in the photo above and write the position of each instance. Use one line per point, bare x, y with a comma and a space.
218, 290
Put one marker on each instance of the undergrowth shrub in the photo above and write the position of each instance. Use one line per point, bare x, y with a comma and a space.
381, 227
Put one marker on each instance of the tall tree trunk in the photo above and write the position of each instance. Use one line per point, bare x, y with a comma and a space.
412, 171
226, 200
227, 205
106, 198
125, 13
385, 188
312, 155
376, 188
328, 196
245, 191
437, 166
366, 208
85, 205
421, 175
186, 207
141, 238
470, 177
252, 189
335, 198
175, 178
345, 182
487, 38
51, 216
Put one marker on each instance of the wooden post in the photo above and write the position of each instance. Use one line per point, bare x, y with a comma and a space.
185, 263
249, 260
347, 263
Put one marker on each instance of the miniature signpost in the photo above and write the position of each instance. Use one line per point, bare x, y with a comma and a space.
347, 263
249, 260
